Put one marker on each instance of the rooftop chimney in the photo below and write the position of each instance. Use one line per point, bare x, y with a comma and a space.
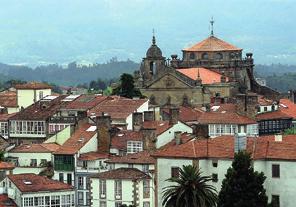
174, 115
278, 137
240, 142
178, 137
137, 121
103, 133
149, 116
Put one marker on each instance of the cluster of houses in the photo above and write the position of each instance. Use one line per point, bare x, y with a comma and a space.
105, 151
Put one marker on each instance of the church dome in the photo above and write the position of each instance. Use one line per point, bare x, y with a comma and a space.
154, 51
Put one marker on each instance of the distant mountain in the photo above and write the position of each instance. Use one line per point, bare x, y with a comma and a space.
72, 75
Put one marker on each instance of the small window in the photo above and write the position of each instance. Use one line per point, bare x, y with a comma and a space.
61, 177
215, 163
192, 56
275, 171
275, 201
80, 198
69, 178
258, 109
265, 108
218, 56
175, 172
232, 55
205, 56
40, 95
33, 163
215, 177
130, 165
272, 107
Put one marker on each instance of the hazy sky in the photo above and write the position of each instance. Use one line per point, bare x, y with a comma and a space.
60, 31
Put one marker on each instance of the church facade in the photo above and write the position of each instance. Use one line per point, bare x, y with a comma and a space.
208, 70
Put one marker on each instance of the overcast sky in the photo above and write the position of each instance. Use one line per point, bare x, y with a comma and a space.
60, 31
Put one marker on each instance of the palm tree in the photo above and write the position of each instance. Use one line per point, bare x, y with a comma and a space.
190, 189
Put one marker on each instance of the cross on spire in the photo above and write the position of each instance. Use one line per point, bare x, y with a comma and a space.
153, 38
212, 26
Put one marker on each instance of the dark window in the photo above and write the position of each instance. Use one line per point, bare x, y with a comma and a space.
272, 107
204, 56
192, 56
265, 108
61, 177
232, 55
69, 178
175, 172
215, 177
218, 56
130, 165
215, 163
275, 201
275, 171
258, 109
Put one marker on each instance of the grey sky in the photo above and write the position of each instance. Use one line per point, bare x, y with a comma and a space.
47, 31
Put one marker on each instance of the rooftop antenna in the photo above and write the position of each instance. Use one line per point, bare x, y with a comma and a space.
212, 26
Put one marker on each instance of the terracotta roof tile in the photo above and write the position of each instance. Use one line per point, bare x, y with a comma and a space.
212, 44
118, 107
123, 173
40, 110
288, 107
187, 114
77, 140
135, 158
33, 85
34, 148
272, 115
264, 101
160, 126
8, 99
6, 166
38, 183
5, 117
207, 76
93, 156
224, 117
119, 141
85, 102
6, 202
229, 107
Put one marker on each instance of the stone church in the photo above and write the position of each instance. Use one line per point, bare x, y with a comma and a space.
209, 70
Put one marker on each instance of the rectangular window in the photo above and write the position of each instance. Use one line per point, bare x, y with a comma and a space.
28, 202
103, 204
146, 188
275, 201
215, 163
134, 146
130, 165
175, 172
80, 198
275, 171
61, 177
146, 168
69, 178
118, 189
40, 95
33, 163
87, 199
4, 129
80, 182
103, 189
215, 177
118, 204
55, 201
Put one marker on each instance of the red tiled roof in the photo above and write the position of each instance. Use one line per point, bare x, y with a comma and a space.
272, 115
40, 110
224, 117
6, 202
8, 99
135, 158
229, 107
38, 183
5, 117
119, 141
6, 166
33, 85
185, 137
264, 101
93, 156
33, 148
118, 107
85, 102
212, 44
160, 126
207, 76
123, 173
288, 107
77, 140
187, 114
223, 147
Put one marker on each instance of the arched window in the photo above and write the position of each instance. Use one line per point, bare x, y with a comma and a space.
205, 56
232, 55
152, 68
218, 56
192, 56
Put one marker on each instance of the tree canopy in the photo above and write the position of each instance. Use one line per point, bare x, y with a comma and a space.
242, 186
126, 87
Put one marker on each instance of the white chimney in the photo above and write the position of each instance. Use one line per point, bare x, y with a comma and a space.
278, 137
240, 142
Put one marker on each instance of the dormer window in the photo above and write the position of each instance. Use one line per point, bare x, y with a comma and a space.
205, 56
192, 56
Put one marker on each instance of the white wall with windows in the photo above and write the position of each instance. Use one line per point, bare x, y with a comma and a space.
4, 129
27, 128
216, 130
56, 127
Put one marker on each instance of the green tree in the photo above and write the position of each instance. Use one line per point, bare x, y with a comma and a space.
242, 186
127, 87
191, 189
2, 155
